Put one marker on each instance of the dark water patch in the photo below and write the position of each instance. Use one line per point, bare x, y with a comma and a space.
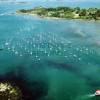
1, 49
31, 90
91, 79
64, 66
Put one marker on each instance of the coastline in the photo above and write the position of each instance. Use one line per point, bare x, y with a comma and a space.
57, 18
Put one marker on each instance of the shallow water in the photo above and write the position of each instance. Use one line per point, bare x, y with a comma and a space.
61, 56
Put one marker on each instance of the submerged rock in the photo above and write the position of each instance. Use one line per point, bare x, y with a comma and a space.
9, 92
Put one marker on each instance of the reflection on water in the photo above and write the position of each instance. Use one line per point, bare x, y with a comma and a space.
50, 59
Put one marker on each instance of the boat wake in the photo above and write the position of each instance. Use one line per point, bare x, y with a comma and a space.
91, 95
86, 97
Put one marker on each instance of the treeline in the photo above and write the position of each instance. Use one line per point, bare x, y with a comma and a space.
66, 12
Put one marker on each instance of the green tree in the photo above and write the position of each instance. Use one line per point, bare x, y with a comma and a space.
82, 12
77, 10
97, 13
56, 14
23, 11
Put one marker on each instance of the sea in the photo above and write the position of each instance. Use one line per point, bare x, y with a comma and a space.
49, 59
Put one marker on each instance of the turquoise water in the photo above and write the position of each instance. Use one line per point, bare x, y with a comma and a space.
61, 56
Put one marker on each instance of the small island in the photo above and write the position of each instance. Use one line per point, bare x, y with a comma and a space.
63, 12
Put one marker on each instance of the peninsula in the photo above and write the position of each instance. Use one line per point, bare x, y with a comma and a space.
64, 12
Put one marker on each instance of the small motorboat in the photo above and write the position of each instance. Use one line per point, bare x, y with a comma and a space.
97, 93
